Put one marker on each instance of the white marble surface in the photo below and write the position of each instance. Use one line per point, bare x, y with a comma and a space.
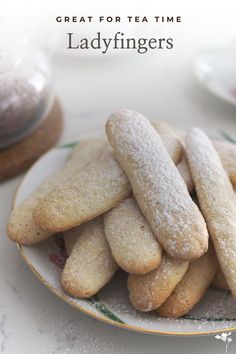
33, 320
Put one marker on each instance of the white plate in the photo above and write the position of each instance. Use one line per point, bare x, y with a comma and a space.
216, 70
215, 313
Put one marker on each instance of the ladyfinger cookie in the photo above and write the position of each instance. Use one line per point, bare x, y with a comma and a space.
131, 240
92, 191
216, 199
90, 265
70, 237
21, 227
192, 287
157, 186
149, 291
185, 173
219, 281
170, 139
227, 153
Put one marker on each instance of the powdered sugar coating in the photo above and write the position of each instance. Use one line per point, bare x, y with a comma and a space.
227, 153
216, 198
157, 186
170, 139
91, 192
185, 173
21, 227
90, 265
149, 291
70, 238
132, 242
192, 287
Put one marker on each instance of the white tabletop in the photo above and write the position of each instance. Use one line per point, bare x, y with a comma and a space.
33, 320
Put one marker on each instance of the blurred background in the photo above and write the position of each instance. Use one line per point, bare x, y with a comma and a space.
161, 83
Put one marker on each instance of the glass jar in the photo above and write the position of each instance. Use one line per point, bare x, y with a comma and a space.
26, 92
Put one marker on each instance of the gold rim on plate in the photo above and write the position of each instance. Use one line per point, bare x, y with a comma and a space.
90, 313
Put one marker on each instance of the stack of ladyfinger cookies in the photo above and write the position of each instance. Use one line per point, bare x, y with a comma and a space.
160, 207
